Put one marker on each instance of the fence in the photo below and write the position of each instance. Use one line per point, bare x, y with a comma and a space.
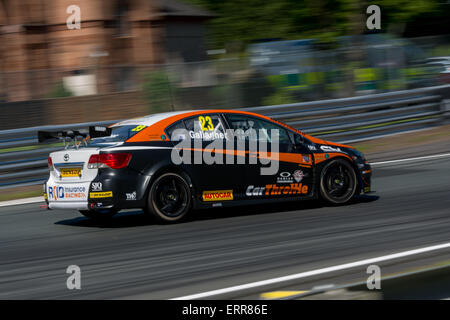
23, 162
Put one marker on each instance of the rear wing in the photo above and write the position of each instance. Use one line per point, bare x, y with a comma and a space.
73, 136
98, 131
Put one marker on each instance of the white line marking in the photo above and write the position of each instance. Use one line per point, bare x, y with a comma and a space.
412, 159
313, 272
21, 201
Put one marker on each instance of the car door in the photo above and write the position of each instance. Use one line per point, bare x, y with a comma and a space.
289, 173
214, 177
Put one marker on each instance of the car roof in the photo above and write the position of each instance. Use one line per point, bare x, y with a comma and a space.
174, 116
151, 118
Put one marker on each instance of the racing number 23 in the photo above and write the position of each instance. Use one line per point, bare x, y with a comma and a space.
206, 123
138, 128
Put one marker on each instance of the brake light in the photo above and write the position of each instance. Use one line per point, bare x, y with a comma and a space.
112, 160
50, 163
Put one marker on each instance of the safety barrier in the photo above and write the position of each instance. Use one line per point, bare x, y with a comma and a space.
23, 161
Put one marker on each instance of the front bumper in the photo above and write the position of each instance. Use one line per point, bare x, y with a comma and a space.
366, 176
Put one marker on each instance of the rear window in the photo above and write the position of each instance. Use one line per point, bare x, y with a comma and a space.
119, 134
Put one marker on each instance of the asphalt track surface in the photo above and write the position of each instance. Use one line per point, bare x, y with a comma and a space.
131, 257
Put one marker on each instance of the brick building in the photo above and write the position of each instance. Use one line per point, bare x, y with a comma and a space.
38, 49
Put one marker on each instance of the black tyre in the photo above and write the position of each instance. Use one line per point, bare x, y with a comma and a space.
169, 198
338, 182
100, 215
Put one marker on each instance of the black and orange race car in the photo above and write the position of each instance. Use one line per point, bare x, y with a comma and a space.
170, 163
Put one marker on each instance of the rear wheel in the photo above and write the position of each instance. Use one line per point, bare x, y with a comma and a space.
101, 214
338, 182
169, 198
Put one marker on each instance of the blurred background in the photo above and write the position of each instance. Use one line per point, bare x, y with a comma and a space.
135, 57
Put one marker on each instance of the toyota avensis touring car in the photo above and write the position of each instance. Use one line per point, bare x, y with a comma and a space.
131, 164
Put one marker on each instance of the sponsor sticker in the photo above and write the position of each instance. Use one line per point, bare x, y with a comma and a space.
218, 195
298, 175
204, 135
273, 190
131, 196
58, 193
285, 177
105, 194
97, 186
293, 188
330, 149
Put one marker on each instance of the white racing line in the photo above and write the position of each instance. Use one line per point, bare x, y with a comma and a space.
313, 272
21, 201
443, 155
40, 199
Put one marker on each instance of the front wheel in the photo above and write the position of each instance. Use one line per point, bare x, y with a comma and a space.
169, 198
338, 182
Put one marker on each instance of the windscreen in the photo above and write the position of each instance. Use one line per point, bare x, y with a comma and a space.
119, 134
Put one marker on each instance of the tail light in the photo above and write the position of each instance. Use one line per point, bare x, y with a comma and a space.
50, 163
112, 160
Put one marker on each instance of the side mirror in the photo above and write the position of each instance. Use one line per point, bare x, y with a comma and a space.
298, 141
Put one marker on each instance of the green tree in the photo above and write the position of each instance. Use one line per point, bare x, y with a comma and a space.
59, 91
159, 91
244, 21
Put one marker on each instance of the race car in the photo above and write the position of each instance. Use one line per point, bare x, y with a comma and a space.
171, 163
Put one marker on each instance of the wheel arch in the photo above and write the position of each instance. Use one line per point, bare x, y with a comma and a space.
351, 162
155, 172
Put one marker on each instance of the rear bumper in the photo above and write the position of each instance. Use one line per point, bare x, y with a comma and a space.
126, 190
74, 205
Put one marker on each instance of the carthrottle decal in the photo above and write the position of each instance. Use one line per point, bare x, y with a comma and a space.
273, 190
217, 195
105, 194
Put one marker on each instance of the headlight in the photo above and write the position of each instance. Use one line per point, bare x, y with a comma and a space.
358, 156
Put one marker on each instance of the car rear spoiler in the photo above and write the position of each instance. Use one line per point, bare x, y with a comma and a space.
73, 135
99, 131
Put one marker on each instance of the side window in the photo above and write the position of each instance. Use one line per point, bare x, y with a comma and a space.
205, 127
262, 128
179, 135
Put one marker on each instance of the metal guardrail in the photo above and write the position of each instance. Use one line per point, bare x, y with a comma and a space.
23, 162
